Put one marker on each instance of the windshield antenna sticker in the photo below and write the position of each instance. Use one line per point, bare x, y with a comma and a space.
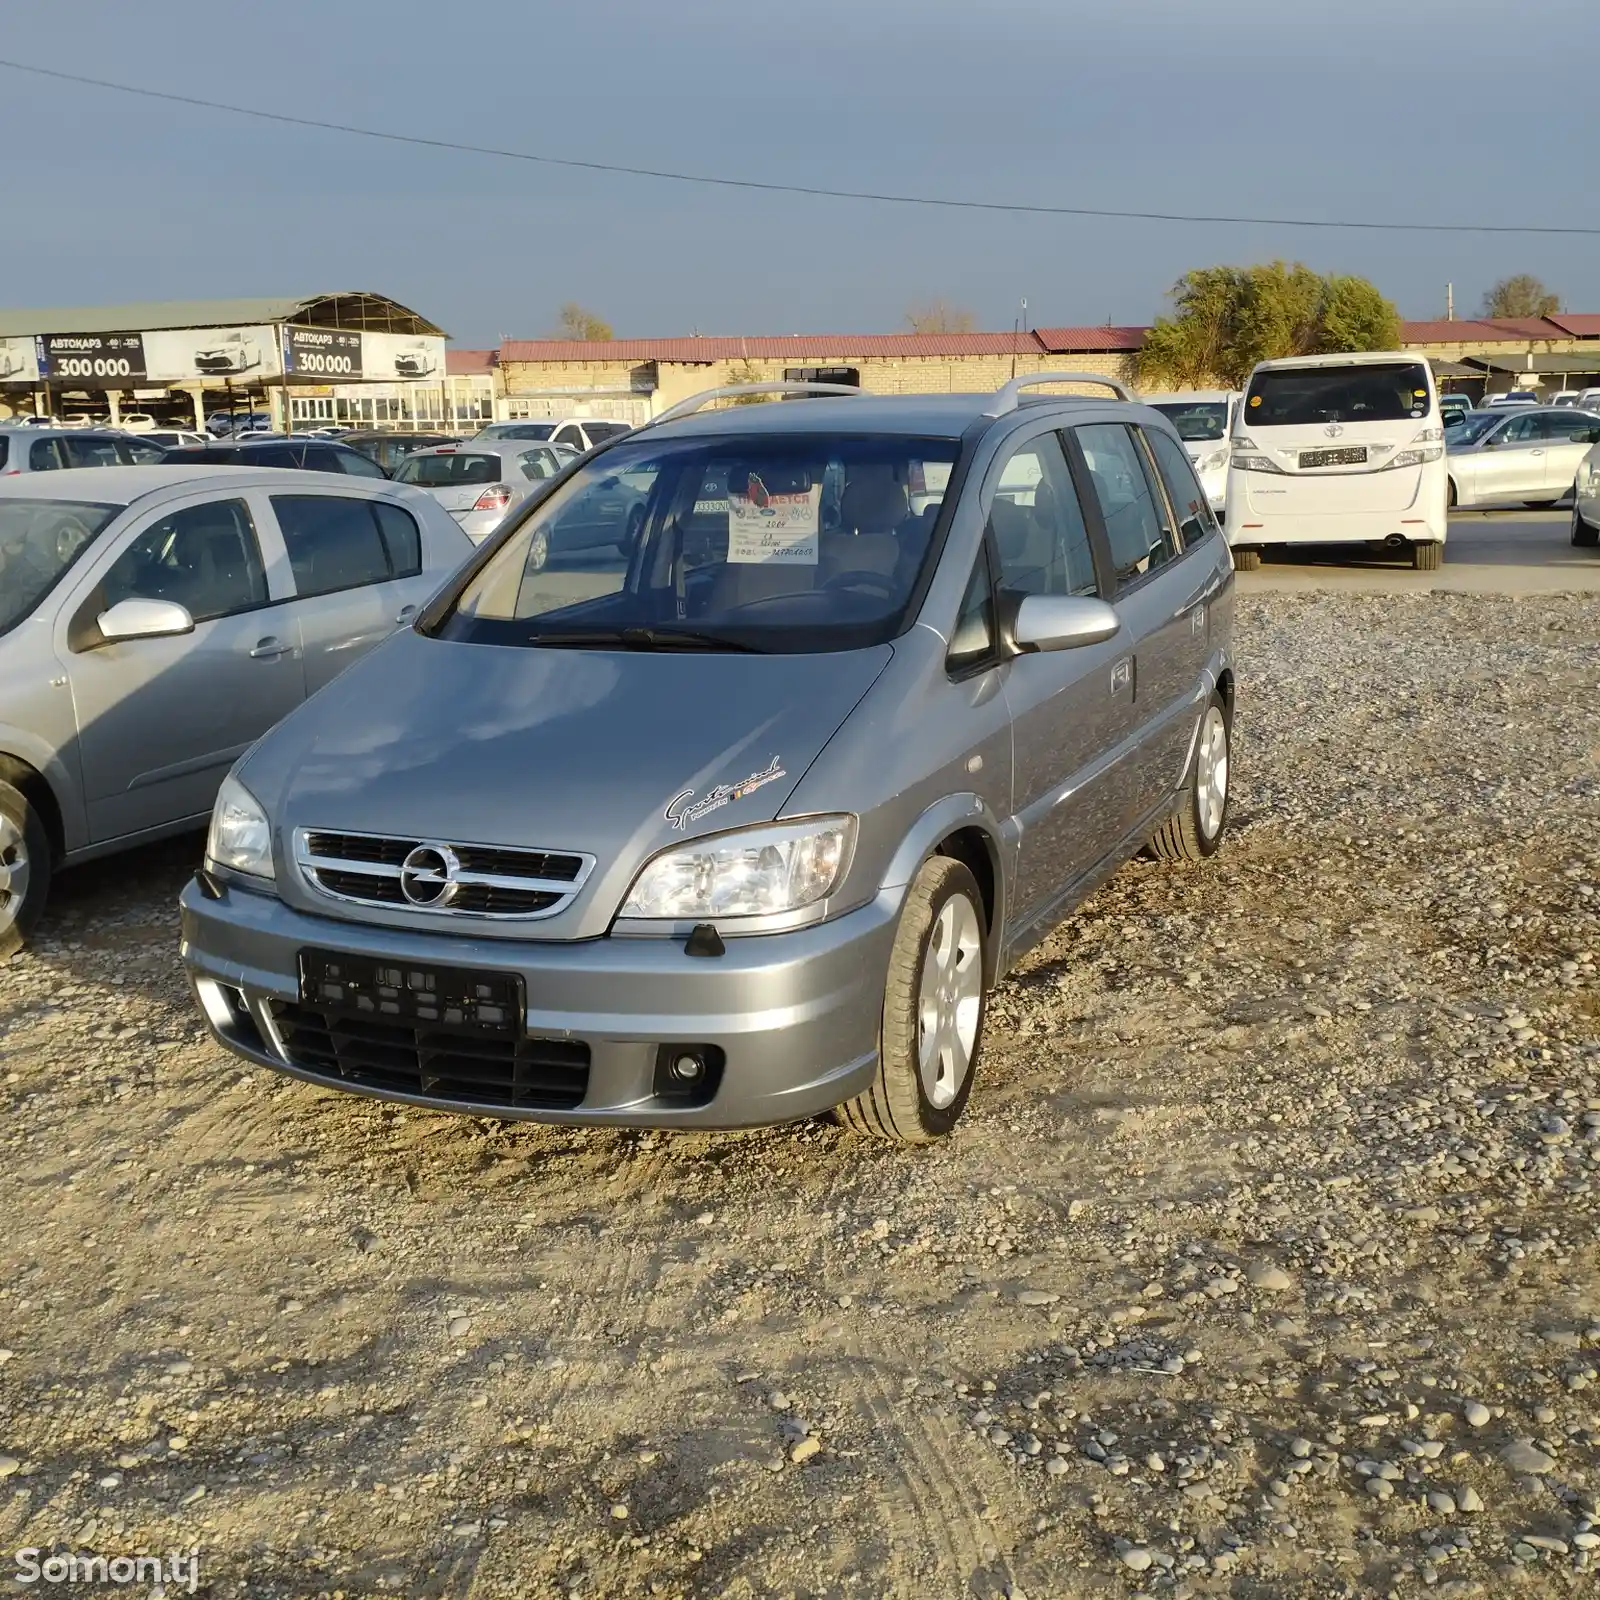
778, 530
683, 808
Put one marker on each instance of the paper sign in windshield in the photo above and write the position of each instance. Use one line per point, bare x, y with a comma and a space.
777, 530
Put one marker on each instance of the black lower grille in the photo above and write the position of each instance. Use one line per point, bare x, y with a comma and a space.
444, 1064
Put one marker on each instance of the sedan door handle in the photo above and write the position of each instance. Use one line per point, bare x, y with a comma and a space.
407, 614
270, 649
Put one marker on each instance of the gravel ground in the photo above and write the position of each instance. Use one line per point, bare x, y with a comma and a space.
1264, 1264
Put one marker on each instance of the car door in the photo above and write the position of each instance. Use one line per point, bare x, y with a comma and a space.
160, 721
1512, 462
1568, 436
1071, 710
1161, 598
357, 567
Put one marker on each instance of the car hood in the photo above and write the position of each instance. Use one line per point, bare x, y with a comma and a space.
615, 754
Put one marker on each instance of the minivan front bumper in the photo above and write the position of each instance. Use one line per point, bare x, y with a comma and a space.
793, 1016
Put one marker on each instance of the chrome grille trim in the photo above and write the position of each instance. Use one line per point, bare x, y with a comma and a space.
365, 869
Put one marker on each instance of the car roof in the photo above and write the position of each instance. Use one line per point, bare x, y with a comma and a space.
124, 485
937, 416
1212, 395
1352, 358
246, 443
484, 447
68, 433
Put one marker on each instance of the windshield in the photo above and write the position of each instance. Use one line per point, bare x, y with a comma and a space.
1289, 397
453, 471
521, 430
39, 540
1197, 421
791, 543
1470, 428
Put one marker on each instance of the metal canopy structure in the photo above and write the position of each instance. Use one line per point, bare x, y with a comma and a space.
356, 310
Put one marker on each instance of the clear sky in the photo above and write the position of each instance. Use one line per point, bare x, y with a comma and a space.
1398, 110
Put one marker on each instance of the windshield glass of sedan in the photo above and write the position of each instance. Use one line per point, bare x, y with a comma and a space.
1289, 397
1197, 421
39, 540
454, 471
1470, 428
791, 543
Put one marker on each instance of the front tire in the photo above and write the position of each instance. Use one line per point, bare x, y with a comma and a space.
24, 870
1194, 830
1583, 535
1246, 560
1427, 556
933, 1011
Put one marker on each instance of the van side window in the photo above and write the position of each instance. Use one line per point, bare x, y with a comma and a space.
1195, 517
1135, 525
975, 634
1037, 523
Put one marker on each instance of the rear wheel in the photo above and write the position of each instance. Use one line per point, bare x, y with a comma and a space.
1540, 505
1194, 831
1452, 494
933, 1009
1427, 556
1582, 534
1246, 560
24, 869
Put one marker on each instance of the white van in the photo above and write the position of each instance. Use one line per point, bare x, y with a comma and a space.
1204, 419
1340, 449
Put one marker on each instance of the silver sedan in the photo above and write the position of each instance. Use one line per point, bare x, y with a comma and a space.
1525, 455
156, 621
479, 483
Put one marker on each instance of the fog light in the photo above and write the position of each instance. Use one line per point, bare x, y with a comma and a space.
687, 1069
688, 1074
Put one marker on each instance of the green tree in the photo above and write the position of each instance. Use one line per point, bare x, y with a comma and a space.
939, 316
1226, 319
578, 322
1522, 295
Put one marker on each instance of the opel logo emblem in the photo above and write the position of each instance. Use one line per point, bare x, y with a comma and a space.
429, 875
1333, 430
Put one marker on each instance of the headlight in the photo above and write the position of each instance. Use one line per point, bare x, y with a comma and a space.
1213, 462
241, 837
757, 873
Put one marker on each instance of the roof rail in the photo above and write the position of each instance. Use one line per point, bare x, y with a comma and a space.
1008, 396
695, 401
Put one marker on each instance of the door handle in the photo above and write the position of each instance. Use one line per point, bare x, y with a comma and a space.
1536, 452
407, 614
270, 649
1121, 674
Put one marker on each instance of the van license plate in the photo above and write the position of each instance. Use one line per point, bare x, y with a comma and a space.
1355, 456
411, 995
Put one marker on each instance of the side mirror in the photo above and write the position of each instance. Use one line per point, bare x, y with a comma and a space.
1063, 622
144, 619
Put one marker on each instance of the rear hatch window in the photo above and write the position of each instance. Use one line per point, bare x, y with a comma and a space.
454, 471
1297, 397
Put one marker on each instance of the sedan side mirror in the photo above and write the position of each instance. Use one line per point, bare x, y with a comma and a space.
144, 619
1063, 622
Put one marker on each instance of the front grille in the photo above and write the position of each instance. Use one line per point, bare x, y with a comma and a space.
479, 1067
487, 880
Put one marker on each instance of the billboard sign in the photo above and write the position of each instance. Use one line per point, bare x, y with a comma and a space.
321, 353
216, 355
98, 360
402, 357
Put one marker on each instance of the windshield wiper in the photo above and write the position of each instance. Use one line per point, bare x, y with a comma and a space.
645, 639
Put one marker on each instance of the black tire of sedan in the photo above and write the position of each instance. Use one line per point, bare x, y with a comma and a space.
24, 870
1427, 556
1583, 535
1194, 830
934, 1003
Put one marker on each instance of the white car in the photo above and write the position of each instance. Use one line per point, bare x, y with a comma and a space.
1586, 501
580, 433
415, 364
171, 438
1204, 419
1520, 455
1512, 397
232, 355
1566, 397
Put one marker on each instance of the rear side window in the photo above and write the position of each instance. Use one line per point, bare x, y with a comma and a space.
402, 540
264, 455
42, 456
204, 558
5, 449
540, 464
1135, 527
601, 431
90, 452
334, 542
1294, 397
455, 471
1195, 518
356, 464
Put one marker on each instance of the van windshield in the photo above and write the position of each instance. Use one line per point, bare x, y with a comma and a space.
39, 540
790, 543
1289, 397
1197, 421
